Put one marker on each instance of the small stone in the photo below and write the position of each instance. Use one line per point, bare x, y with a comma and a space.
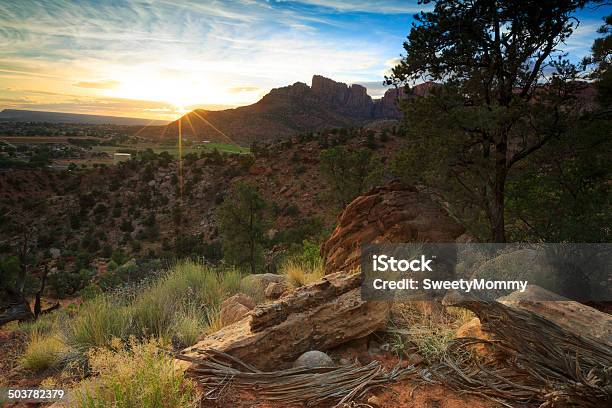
313, 359
375, 401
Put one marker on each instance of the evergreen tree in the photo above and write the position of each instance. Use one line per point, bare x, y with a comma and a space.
242, 225
494, 105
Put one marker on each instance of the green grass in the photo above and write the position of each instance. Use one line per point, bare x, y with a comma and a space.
173, 150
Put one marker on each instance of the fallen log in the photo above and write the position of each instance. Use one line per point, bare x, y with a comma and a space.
570, 315
217, 372
546, 365
317, 317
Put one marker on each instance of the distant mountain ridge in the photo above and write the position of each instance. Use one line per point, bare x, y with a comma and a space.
287, 111
22, 115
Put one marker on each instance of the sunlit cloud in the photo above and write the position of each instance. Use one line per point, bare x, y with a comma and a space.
97, 84
173, 55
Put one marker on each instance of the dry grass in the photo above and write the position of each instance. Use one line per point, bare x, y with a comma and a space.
135, 375
44, 351
427, 333
300, 273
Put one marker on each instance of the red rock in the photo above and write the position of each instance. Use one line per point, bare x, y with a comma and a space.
391, 213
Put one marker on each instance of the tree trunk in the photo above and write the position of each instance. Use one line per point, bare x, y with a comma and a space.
14, 307
37, 306
498, 224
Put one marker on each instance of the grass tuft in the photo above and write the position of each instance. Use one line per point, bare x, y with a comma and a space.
135, 375
44, 351
300, 273
427, 334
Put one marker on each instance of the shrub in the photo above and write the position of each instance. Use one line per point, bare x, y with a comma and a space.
136, 375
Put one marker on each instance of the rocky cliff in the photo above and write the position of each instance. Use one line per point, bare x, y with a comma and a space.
290, 110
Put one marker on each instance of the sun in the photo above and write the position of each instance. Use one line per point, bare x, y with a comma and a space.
180, 90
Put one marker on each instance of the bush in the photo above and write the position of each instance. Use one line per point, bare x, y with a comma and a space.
429, 334
136, 375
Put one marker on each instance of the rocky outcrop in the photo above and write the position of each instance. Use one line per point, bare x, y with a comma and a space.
354, 99
315, 317
287, 111
392, 213
387, 106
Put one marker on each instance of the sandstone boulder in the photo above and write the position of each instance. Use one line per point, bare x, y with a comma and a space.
391, 213
235, 308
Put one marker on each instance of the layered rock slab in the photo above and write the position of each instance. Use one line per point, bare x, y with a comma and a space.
316, 317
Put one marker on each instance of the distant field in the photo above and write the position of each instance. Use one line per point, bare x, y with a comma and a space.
173, 150
42, 139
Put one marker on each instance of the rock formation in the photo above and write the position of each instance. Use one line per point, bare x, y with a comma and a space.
391, 213
287, 111
315, 317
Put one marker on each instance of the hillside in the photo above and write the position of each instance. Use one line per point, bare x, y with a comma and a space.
19, 115
115, 205
287, 111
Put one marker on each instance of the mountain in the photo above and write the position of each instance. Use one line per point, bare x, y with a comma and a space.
288, 111
18, 115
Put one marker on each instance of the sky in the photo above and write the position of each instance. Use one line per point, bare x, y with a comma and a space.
160, 58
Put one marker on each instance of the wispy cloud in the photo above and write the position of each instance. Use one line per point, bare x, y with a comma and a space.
367, 6
176, 54
108, 84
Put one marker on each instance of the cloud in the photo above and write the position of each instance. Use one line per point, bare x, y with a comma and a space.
209, 53
108, 84
368, 6
239, 89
